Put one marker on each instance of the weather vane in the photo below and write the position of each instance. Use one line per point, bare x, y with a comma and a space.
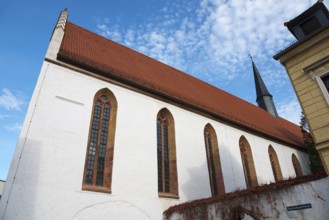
250, 56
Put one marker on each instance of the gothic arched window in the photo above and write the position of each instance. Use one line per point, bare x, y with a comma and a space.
213, 160
296, 164
166, 150
99, 159
247, 163
275, 164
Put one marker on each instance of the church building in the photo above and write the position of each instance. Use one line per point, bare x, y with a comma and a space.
112, 133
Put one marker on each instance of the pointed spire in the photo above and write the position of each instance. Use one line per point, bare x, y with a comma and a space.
261, 89
264, 98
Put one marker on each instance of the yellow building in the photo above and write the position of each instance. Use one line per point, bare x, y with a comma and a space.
2, 185
307, 64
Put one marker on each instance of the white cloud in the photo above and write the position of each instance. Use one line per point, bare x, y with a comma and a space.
4, 117
9, 101
216, 35
290, 110
14, 127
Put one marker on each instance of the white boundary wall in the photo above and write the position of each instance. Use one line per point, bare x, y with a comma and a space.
309, 200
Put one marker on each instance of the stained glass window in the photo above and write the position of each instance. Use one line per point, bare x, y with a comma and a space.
163, 154
166, 155
211, 162
248, 163
97, 143
275, 164
98, 168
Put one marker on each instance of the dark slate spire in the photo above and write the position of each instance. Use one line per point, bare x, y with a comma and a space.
264, 98
261, 89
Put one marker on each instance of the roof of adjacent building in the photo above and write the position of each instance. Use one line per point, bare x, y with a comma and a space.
319, 5
306, 14
92, 52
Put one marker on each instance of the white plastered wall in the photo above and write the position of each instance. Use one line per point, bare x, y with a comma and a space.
48, 163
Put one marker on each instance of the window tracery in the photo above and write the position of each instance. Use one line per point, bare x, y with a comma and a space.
166, 155
99, 158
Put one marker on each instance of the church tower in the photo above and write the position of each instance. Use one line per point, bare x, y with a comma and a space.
264, 98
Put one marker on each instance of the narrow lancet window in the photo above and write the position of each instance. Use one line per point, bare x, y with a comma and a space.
248, 163
275, 164
166, 151
297, 167
213, 160
163, 155
99, 158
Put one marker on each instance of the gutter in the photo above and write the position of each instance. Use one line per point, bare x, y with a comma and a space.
298, 42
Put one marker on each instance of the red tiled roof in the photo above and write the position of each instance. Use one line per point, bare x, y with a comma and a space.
91, 51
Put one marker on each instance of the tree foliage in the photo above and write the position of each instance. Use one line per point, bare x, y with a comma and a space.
315, 161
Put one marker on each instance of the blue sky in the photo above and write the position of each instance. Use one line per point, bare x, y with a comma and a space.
209, 39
